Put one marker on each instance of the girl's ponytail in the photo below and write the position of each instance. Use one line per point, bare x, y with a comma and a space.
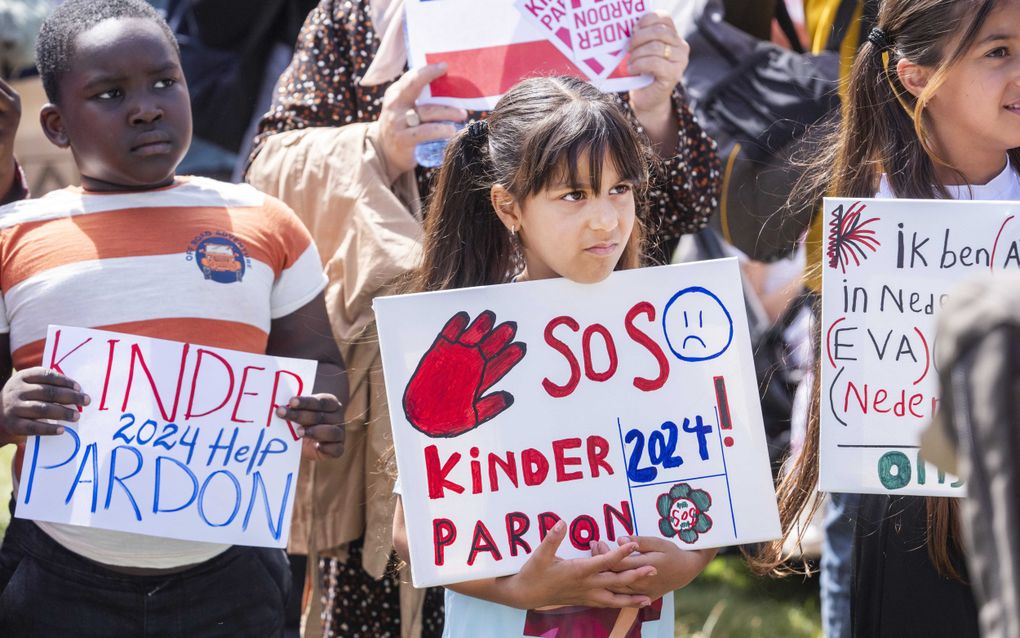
883, 129
876, 133
465, 242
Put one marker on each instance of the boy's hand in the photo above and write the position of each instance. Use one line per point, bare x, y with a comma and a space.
10, 117
321, 421
674, 567
35, 394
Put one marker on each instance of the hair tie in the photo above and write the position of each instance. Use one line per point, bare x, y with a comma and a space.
878, 38
478, 130
883, 46
476, 141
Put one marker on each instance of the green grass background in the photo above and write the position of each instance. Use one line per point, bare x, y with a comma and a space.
726, 601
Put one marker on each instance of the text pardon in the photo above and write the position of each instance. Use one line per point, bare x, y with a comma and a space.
179, 441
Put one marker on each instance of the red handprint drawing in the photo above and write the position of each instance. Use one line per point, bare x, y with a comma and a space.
444, 397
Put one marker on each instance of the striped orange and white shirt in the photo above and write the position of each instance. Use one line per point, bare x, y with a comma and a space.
199, 261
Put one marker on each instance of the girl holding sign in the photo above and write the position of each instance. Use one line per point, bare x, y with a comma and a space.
338, 145
932, 113
549, 186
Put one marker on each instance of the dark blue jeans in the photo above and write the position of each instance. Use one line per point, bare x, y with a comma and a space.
47, 590
837, 563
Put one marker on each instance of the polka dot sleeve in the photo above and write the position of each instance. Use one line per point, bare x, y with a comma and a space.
684, 189
320, 86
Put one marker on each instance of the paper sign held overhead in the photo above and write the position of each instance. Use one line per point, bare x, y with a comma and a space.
179, 441
626, 407
603, 27
889, 266
490, 45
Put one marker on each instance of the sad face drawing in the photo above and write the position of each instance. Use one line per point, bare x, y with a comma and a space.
697, 325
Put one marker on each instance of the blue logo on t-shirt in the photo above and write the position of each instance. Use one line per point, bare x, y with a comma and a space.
220, 259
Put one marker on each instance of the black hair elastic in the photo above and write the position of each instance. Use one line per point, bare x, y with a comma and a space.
478, 130
878, 38
477, 141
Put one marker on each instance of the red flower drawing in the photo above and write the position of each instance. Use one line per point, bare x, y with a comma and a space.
849, 237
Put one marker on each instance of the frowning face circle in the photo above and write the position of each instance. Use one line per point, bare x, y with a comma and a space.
697, 325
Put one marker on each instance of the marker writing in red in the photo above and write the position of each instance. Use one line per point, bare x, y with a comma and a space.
721, 400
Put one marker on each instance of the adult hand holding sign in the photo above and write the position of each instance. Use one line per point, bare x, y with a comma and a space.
34, 394
656, 49
402, 125
444, 397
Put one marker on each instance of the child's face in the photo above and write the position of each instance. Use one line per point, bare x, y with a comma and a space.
124, 107
975, 113
573, 232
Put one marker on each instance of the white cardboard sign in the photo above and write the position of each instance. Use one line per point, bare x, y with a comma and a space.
888, 268
490, 45
625, 407
603, 27
179, 441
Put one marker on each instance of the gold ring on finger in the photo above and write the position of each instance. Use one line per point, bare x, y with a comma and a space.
667, 51
412, 118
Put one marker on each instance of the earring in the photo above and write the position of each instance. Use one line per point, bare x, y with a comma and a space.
513, 232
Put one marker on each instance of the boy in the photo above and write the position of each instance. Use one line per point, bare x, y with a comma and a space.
136, 249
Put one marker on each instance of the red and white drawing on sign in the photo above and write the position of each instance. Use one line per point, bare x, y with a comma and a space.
850, 239
444, 396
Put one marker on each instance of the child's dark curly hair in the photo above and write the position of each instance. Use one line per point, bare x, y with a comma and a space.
54, 49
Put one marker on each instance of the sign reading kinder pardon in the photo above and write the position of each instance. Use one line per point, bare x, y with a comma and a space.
888, 266
490, 45
179, 441
625, 407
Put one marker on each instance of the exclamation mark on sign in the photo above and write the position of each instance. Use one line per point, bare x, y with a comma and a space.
723, 403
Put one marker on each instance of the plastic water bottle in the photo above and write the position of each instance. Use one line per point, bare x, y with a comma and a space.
430, 154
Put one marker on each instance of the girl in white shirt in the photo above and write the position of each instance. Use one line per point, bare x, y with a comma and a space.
549, 186
932, 111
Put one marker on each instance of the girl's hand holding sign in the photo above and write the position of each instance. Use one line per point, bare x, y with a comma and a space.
674, 567
548, 581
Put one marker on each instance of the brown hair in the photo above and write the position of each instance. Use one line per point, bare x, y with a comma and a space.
883, 129
541, 130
